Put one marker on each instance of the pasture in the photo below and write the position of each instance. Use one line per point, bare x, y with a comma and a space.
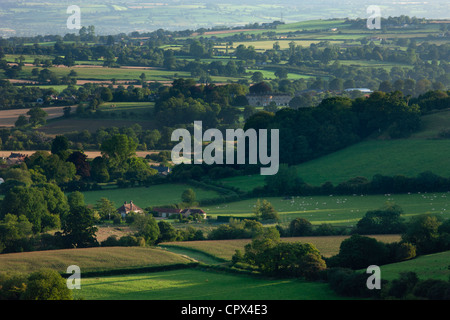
224, 249
431, 266
155, 195
96, 259
343, 211
194, 284
408, 157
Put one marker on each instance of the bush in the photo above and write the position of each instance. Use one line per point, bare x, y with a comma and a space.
359, 252
400, 251
46, 284
12, 286
349, 283
432, 289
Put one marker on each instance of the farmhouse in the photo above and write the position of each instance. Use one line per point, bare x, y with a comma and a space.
127, 208
166, 212
187, 212
15, 158
162, 171
264, 99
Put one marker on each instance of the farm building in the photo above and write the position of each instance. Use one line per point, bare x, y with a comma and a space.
168, 212
15, 158
363, 90
264, 99
127, 208
162, 171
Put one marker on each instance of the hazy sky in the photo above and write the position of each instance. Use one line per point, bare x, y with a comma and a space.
115, 16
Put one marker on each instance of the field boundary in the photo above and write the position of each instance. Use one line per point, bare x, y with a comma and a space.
165, 246
117, 272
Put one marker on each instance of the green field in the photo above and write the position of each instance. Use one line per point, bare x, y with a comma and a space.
193, 284
338, 210
432, 266
101, 73
224, 249
407, 157
90, 259
156, 195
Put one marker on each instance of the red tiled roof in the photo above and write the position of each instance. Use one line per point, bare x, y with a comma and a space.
127, 207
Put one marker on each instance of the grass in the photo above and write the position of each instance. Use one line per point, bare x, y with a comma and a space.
224, 249
194, 284
338, 210
89, 259
101, 73
119, 107
407, 157
157, 195
432, 124
62, 126
432, 266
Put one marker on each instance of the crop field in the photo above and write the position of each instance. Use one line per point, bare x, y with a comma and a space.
338, 210
224, 249
137, 108
408, 157
89, 259
156, 195
194, 284
9, 117
103, 73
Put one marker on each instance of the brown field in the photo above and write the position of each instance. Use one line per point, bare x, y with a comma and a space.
89, 259
224, 249
9, 117
90, 154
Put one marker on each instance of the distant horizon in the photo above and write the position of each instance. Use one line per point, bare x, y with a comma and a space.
49, 18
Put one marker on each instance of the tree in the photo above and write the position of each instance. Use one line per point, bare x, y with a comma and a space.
79, 228
105, 208
22, 121
422, 231
46, 284
99, 169
167, 232
82, 166
146, 227
257, 77
75, 199
285, 182
265, 211
281, 73
300, 227
37, 116
188, 196
359, 252
386, 220
29, 202
260, 87
59, 146
12, 229
118, 149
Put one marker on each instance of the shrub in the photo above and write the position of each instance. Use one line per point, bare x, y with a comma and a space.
359, 252
46, 284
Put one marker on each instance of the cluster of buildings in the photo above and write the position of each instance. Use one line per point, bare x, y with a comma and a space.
126, 208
